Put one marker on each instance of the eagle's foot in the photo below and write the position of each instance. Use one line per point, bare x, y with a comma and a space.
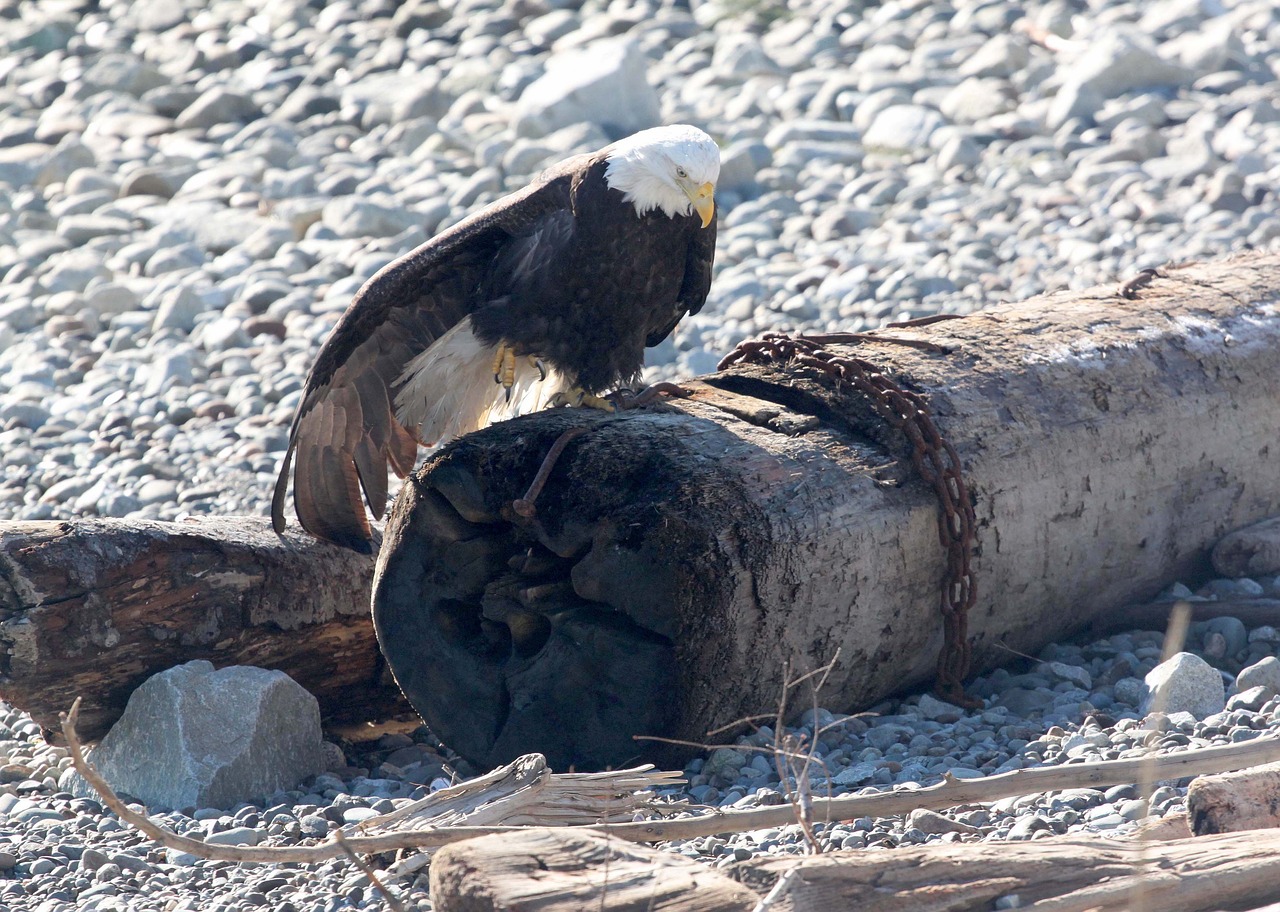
577, 396
629, 399
504, 367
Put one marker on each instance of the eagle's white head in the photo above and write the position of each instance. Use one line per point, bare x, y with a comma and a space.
673, 169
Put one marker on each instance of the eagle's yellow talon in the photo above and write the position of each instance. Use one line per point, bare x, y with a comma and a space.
577, 396
590, 400
504, 367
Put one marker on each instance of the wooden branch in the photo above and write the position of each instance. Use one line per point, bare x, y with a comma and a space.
95, 607
1247, 799
679, 556
555, 870
955, 792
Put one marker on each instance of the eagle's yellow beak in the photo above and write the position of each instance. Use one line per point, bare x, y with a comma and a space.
704, 201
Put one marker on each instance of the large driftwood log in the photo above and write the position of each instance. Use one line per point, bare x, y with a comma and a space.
1247, 799
680, 558
554, 871
93, 608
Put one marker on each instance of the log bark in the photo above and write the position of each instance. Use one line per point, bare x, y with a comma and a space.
681, 557
93, 608
553, 870
1247, 799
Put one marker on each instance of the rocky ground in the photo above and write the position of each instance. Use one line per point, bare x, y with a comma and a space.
190, 195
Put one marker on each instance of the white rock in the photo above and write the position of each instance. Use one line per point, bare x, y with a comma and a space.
738, 55
906, 127
1116, 62
216, 106
604, 83
1264, 673
109, 298
222, 333
387, 98
355, 216
178, 309
977, 99
1185, 683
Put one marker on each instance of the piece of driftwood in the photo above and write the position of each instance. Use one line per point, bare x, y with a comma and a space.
1066, 874
555, 871
524, 793
949, 793
94, 607
1247, 799
680, 558
1155, 615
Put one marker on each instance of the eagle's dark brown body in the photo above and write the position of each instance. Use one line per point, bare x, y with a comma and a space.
549, 296
564, 271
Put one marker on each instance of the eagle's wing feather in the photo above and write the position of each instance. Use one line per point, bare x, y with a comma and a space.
345, 431
694, 287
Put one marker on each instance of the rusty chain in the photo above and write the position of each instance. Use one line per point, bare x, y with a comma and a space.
934, 458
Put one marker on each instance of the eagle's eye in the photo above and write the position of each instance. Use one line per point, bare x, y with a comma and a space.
681, 172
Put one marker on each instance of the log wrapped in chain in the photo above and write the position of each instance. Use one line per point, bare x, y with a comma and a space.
934, 458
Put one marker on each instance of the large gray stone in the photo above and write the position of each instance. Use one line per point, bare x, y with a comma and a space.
387, 98
903, 127
217, 105
1185, 683
603, 83
1264, 673
195, 737
1119, 62
356, 217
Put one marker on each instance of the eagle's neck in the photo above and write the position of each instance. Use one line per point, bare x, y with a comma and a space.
641, 183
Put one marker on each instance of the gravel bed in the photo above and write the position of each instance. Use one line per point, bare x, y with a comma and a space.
190, 193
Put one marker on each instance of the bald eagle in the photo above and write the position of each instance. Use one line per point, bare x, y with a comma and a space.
547, 296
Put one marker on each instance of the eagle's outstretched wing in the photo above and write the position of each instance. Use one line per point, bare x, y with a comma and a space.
345, 432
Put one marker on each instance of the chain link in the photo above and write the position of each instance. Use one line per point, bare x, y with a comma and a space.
934, 458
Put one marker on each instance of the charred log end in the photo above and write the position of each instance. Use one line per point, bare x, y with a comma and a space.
558, 633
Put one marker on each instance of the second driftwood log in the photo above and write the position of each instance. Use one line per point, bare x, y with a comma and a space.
92, 608
680, 559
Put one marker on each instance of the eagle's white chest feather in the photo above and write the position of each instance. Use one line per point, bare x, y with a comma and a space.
449, 390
